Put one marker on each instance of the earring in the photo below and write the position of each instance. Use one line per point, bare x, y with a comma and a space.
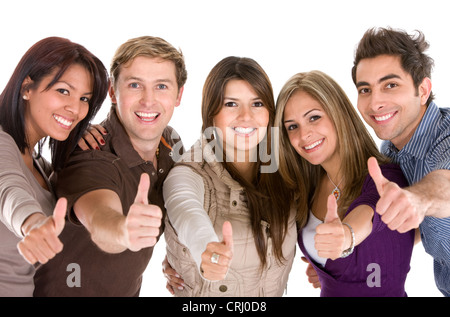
25, 97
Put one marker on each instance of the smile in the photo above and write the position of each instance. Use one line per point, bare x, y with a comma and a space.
241, 130
313, 145
147, 116
384, 117
64, 122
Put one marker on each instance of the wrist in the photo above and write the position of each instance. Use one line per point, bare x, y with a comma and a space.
350, 237
31, 221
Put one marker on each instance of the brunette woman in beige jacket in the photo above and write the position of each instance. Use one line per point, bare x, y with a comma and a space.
230, 229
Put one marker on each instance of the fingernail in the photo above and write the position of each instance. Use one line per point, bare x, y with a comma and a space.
180, 288
102, 142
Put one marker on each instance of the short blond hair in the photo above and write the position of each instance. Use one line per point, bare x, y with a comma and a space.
149, 46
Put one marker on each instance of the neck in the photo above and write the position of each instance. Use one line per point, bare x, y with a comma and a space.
333, 173
247, 170
146, 149
28, 159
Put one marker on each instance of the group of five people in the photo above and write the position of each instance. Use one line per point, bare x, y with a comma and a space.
230, 220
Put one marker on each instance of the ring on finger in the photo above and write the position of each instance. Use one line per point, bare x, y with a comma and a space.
215, 258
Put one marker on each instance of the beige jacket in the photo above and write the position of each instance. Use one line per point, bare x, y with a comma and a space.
224, 199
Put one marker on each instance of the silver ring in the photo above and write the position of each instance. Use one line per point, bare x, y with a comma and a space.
215, 258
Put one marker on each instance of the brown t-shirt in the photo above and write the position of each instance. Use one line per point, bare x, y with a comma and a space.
82, 269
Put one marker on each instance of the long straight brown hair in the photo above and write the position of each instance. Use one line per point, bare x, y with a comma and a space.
268, 197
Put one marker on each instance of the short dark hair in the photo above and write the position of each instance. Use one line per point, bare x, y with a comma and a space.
410, 48
52, 54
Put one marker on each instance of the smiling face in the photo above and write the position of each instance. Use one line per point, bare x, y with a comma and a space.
388, 100
146, 94
56, 111
243, 118
310, 130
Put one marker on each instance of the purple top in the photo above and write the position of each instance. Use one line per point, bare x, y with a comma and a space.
378, 266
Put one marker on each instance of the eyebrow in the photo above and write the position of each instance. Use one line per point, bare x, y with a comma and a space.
161, 80
72, 87
286, 121
232, 98
384, 78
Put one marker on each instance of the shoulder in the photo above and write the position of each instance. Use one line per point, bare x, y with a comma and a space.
9, 149
439, 155
5, 138
171, 136
91, 167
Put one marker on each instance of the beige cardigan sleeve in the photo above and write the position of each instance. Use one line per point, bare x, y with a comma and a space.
184, 197
17, 198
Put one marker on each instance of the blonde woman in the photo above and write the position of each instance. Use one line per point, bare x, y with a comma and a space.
324, 152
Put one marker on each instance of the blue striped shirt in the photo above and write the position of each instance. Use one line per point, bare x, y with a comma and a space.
429, 150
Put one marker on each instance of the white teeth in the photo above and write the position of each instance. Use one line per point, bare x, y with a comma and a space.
147, 116
244, 130
385, 117
63, 121
309, 147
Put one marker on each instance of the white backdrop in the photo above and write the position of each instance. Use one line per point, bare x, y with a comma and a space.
285, 37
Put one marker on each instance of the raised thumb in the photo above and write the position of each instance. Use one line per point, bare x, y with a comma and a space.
375, 172
227, 234
59, 215
332, 213
143, 188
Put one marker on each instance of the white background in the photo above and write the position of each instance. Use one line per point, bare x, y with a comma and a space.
284, 36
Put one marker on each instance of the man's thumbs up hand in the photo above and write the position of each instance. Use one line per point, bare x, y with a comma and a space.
143, 221
396, 206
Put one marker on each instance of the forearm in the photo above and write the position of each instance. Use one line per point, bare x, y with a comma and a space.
183, 196
432, 194
100, 212
32, 221
106, 230
361, 221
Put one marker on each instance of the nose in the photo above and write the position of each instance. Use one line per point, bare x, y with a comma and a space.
377, 100
305, 133
77, 107
147, 97
245, 113
73, 106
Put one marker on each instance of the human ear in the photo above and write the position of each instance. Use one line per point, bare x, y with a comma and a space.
26, 84
425, 90
112, 94
180, 94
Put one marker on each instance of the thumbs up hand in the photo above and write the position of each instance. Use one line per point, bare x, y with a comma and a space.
396, 206
330, 238
217, 257
143, 221
41, 242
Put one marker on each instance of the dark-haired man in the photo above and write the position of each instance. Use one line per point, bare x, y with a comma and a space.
392, 75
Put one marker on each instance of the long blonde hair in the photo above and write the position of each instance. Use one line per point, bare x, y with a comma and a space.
355, 143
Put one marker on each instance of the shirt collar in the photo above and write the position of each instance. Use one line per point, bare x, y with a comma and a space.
121, 145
